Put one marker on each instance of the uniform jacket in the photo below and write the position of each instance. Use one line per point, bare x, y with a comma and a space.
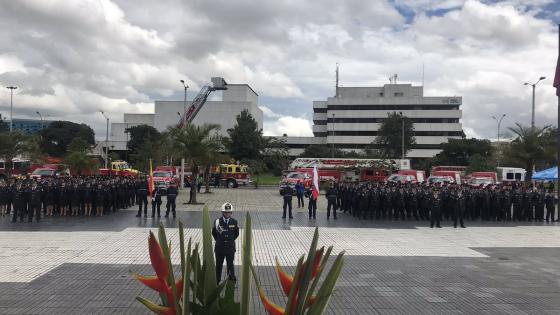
225, 234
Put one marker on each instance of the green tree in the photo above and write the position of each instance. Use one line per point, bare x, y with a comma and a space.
529, 146
14, 144
198, 145
461, 151
137, 138
246, 140
275, 155
77, 156
389, 136
4, 127
59, 134
480, 163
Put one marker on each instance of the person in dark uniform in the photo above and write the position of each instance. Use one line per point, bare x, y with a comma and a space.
300, 190
156, 202
459, 207
225, 231
99, 200
331, 201
19, 202
172, 193
435, 205
3, 197
287, 192
35, 202
312, 203
142, 199
549, 202
88, 199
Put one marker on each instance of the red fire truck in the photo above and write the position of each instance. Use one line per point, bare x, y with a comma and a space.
340, 169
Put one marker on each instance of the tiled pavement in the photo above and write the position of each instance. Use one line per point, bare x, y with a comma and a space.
81, 265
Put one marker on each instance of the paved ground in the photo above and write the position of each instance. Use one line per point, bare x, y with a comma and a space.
81, 265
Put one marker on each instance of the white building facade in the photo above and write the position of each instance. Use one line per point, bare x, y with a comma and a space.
351, 119
234, 100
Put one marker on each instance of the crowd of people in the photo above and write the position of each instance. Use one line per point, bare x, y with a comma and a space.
422, 201
76, 196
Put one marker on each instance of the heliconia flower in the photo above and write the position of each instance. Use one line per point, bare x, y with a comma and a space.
317, 262
311, 301
169, 292
286, 280
152, 282
156, 257
271, 308
158, 309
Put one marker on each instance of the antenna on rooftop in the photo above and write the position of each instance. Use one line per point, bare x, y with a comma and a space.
393, 79
336, 90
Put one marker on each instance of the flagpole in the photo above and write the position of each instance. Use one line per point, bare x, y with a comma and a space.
558, 128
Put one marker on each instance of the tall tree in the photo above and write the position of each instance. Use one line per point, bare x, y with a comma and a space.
138, 137
390, 134
245, 140
529, 146
461, 151
77, 157
275, 155
59, 134
14, 144
198, 145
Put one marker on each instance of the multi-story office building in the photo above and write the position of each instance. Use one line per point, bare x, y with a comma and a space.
351, 119
28, 126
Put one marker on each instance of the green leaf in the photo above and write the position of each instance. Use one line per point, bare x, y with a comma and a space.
316, 280
166, 252
306, 279
325, 292
209, 265
295, 287
182, 245
245, 300
186, 280
151, 305
213, 297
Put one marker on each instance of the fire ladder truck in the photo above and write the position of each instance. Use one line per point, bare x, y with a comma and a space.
191, 112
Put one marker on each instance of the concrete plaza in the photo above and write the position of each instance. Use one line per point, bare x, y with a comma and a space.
78, 265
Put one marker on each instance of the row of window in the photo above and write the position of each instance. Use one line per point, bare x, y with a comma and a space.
387, 107
363, 146
380, 120
374, 133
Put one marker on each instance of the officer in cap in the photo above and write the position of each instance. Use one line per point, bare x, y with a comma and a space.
225, 231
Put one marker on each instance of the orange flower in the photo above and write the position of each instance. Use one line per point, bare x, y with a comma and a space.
271, 308
286, 280
158, 260
152, 282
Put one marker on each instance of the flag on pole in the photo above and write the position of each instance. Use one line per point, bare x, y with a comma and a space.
557, 77
315, 182
151, 180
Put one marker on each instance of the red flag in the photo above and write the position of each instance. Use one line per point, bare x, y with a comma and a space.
557, 77
315, 182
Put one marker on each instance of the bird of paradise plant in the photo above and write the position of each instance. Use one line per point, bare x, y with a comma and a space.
196, 292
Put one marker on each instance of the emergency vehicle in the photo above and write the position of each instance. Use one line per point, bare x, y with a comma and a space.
119, 168
232, 175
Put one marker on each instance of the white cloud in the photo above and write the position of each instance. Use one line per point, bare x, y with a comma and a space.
268, 113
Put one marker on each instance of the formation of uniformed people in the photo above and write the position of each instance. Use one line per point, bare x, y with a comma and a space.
434, 203
66, 196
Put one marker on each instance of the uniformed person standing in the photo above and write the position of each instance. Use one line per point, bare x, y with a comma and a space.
156, 202
435, 205
459, 207
172, 193
35, 202
312, 203
142, 199
331, 201
549, 202
300, 190
287, 196
225, 231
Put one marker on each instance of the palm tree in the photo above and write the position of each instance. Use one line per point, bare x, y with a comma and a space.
529, 146
199, 145
14, 144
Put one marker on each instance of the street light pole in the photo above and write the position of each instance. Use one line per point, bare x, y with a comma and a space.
402, 136
40, 116
106, 139
533, 102
185, 102
499, 121
333, 136
12, 88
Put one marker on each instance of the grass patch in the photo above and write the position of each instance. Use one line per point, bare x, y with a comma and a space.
267, 179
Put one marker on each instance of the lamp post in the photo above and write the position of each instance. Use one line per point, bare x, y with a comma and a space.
333, 136
40, 116
12, 88
499, 121
533, 103
106, 139
126, 144
185, 102
402, 136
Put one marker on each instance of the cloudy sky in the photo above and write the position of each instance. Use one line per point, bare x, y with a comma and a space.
72, 58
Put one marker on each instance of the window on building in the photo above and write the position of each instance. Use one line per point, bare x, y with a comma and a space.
398, 94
